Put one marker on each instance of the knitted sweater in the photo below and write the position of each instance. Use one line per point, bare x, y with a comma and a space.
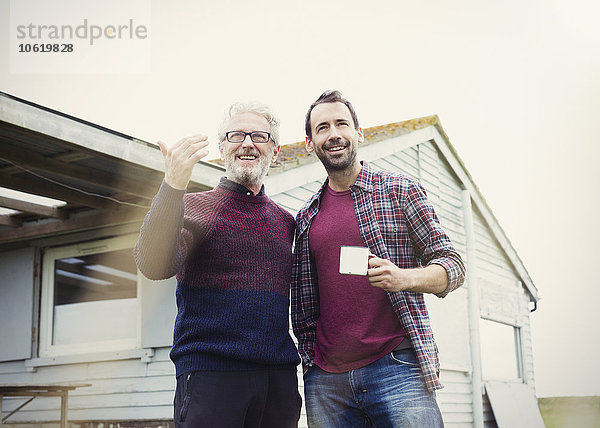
231, 254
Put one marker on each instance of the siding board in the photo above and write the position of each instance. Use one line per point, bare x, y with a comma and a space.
288, 202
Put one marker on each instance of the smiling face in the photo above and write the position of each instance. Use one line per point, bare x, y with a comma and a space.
334, 138
247, 163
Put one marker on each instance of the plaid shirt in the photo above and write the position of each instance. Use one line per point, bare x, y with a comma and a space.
398, 223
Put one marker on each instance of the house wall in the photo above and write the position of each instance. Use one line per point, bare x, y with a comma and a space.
125, 385
502, 296
121, 389
140, 386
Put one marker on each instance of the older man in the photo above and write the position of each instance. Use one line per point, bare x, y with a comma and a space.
365, 340
231, 251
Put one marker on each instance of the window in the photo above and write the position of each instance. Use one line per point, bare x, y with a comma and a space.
500, 351
90, 298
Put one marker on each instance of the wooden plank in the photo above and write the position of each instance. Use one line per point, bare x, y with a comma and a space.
450, 398
514, 405
54, 191
383, 164
8, 220
116, 182
10, 369
314, 186
300, 193
405, 165
161, 355
105, 219
39, 390
3, 419
117, 414
457, 388
451, 418
131, 385
459, 411
102, 401
33, 208
289, 202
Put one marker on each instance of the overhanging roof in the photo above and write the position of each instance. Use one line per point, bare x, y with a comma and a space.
96, 176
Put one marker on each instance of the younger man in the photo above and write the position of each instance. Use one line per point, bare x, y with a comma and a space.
367, 347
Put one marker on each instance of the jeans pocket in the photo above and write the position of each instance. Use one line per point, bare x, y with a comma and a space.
310, 369
187, 396
405, 357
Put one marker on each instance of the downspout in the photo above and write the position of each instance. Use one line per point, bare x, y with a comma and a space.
474, 311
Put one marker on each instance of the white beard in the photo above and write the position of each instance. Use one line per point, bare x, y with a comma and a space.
247, 176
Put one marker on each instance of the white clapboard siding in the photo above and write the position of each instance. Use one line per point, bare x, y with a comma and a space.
126, 390
488, 416
290, 203
490, 256
406, 161
455, 399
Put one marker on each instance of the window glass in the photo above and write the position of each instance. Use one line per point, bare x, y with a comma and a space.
105, 276
500, 350
91, 297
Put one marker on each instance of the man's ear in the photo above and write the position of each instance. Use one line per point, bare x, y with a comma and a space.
221, 149
310, 147
275, 153
361, 136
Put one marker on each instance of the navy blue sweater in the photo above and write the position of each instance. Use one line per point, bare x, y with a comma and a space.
232, 256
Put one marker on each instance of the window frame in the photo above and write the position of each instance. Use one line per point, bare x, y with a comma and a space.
517, 349
50, 255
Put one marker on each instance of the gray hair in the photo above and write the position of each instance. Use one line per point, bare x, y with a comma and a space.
251, 107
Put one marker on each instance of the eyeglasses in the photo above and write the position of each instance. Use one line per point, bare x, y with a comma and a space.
240, 136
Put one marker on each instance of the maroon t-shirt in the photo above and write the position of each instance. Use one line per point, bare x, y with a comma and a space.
357, 324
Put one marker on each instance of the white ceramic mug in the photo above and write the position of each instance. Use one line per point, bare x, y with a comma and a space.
354, 260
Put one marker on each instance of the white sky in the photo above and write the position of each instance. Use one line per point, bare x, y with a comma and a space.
516, 85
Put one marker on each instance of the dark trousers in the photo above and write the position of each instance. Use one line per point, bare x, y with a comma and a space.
239, 399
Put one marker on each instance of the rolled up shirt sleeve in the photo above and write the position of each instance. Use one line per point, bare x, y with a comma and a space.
432, 245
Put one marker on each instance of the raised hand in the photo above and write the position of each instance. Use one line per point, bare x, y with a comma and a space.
181, 157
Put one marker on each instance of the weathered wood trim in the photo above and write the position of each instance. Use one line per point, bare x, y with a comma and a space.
8, 220
33, 208
52, 165
50, 190
144, 354
103, 219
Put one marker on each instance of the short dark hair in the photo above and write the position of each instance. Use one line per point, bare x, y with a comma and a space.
329, 97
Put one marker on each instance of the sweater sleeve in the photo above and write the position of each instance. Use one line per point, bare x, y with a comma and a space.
159, 251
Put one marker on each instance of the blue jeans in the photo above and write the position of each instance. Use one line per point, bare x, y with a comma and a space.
389, 392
